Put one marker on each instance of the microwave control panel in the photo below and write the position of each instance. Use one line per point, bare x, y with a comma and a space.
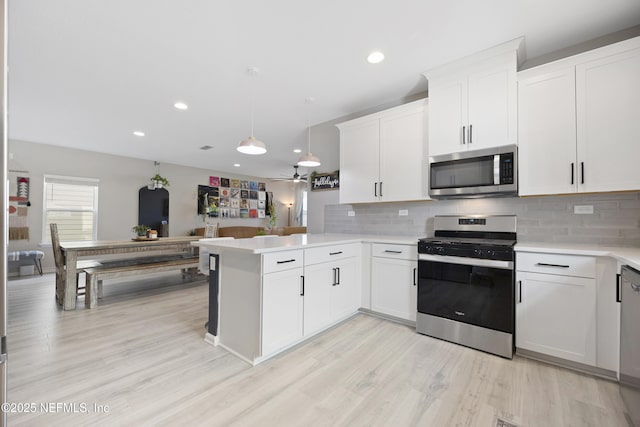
506, 168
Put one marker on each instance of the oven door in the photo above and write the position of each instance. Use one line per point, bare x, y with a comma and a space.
475, 291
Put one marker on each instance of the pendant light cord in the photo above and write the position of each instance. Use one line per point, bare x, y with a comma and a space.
253, 72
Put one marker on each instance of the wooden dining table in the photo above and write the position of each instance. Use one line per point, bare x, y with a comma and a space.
73, 251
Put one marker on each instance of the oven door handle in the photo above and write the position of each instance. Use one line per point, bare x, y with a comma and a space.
504, 265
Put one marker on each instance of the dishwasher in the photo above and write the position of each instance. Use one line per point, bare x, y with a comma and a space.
630, 342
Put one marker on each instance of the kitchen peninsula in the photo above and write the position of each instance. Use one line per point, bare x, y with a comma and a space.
276, 292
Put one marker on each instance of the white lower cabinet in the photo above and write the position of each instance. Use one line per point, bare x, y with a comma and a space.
317, 297
393, 280
567, 306
282, 309
555, 315
346, 292
331, 289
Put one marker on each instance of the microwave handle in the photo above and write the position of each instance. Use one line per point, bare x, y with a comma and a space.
496, 169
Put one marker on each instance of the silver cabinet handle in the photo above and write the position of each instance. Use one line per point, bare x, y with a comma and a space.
414, 276
335, 253
470, 134
392, 252
302, 284
464, 134
286, 261
375, 189
380, 188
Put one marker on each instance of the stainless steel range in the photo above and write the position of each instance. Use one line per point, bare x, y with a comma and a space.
466, 282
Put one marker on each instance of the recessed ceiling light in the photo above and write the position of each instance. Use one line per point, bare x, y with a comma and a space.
237, 165
181, 106
138, 133
297, 150
375, 57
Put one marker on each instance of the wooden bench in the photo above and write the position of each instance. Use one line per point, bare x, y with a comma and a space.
133, 268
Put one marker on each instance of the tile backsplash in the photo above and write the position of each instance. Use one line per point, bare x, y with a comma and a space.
615, 219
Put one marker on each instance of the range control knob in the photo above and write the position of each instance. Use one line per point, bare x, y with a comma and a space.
440, 249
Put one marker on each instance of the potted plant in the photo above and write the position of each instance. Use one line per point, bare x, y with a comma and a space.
141, 230
160, 181
273, 217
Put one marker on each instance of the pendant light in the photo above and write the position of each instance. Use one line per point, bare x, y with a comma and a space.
252, 145
309, 160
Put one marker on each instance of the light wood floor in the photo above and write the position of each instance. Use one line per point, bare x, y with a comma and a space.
142, 354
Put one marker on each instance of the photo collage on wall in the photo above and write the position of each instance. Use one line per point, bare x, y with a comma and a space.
232, 198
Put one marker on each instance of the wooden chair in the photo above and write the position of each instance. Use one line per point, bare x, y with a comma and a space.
58, 257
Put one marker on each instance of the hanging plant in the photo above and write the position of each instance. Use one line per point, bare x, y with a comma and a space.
160, 181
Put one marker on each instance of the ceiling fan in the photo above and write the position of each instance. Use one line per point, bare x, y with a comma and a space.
295, 178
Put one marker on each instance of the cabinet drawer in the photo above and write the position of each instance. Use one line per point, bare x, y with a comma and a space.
408, 252
330, 253
563, 265
280, 261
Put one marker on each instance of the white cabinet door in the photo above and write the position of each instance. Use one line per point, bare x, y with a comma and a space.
393, 287
447, 116
492, 110
403, 163
359, 162
608, 109
547, 132
608, 314
317, 297
556, 315
345, 292
282, 307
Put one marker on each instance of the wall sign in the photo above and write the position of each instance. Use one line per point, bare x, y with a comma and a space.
325, 181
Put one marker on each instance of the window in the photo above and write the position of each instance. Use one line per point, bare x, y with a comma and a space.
72, 203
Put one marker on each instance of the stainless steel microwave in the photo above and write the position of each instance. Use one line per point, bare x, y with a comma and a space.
477, 173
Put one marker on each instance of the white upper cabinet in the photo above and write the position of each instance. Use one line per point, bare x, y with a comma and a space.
577, 120
359, 161
403, 163
383, 156
547, 127
608, 111
447, 108
473, 101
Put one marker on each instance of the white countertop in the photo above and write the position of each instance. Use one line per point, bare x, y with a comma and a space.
626, 255
301, 241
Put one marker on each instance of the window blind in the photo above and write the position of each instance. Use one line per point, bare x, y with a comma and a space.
72, 203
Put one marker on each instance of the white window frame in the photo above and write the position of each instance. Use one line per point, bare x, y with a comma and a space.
78, 181
305, 204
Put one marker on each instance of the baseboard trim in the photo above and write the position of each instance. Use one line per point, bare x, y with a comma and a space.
387, 317
568, 364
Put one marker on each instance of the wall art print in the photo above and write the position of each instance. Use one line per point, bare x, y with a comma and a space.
18, 206
232, 198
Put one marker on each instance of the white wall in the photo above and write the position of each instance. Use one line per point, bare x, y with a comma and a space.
120, 180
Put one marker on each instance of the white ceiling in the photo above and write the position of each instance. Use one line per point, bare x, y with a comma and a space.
87, 73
